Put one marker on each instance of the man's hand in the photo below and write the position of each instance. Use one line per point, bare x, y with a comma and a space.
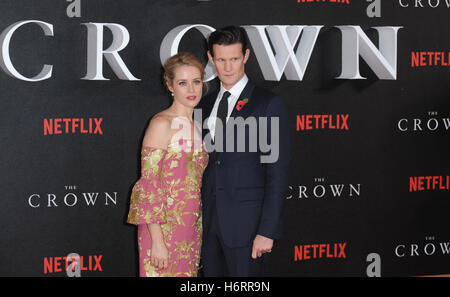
261, 245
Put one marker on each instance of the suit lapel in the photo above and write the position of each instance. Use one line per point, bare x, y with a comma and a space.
245, 94
244, 112
207, 107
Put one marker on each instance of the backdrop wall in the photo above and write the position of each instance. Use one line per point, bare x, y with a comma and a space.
368, 197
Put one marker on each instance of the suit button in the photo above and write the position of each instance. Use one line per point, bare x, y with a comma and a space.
218, 162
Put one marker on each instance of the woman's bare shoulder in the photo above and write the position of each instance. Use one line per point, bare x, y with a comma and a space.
158, 131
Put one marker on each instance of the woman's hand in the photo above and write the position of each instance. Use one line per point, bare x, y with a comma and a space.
159, 255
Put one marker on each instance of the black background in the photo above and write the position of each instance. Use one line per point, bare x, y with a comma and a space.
373, 152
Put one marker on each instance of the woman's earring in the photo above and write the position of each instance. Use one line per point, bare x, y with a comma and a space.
172, 94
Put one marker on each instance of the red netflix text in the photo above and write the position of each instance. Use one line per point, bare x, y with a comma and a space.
319, 251
322, 121
59, 264
423, 183
421, 59
72, 126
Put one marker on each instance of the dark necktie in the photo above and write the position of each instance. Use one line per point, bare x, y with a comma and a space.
222, 113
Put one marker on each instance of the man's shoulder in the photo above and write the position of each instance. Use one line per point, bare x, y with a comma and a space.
270, 102
264, 95
263, 92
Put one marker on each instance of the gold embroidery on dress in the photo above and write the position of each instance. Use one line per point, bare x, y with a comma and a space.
158, 167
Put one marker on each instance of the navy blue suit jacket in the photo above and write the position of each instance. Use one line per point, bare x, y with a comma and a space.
249, 194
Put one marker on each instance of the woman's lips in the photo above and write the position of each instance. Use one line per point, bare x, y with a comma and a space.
191, 97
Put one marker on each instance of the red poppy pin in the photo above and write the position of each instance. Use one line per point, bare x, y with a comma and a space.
241, 103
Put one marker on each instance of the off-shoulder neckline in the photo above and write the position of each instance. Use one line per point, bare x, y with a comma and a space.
172, 143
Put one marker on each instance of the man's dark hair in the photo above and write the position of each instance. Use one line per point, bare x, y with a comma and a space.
227, 36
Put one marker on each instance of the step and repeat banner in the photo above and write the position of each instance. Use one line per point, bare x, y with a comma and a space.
366, 84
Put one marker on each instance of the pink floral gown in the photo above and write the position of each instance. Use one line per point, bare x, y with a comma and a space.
168, 193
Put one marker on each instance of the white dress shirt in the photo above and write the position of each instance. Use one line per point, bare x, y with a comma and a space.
235, 91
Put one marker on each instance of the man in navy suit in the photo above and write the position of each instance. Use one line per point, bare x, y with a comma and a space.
242, 195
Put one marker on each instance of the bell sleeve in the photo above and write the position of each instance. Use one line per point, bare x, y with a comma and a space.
148, 196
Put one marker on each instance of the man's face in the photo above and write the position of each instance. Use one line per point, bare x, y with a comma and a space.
229, 61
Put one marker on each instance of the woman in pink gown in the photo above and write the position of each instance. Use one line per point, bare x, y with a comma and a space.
165, 202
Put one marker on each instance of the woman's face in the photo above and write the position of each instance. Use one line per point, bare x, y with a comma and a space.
186, 85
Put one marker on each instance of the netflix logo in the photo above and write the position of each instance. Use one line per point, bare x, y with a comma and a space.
322, 121
71, 263
422, 59
428, 183
73, 126
320, 251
